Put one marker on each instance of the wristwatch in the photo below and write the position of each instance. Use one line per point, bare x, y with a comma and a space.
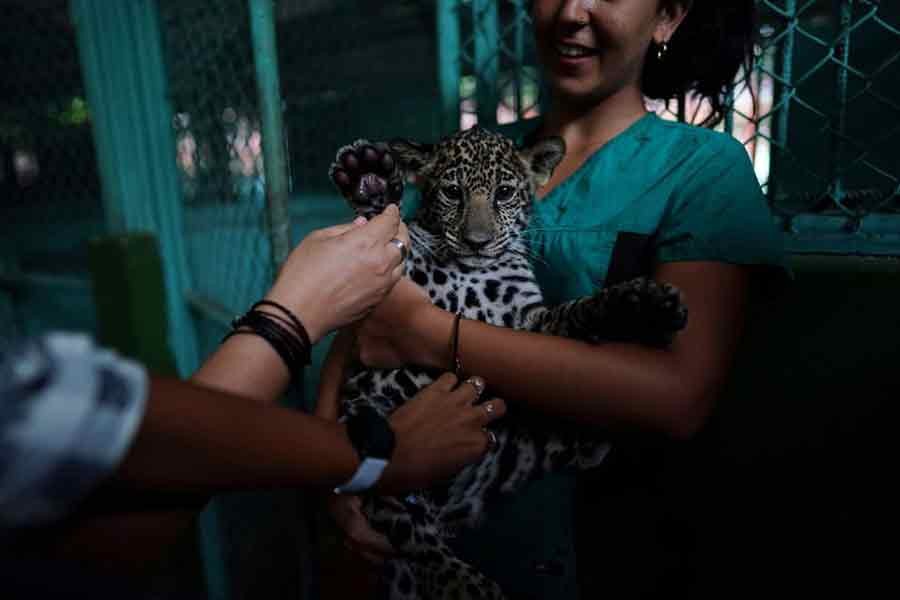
373, 439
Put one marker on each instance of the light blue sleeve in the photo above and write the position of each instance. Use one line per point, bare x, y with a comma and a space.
68, 413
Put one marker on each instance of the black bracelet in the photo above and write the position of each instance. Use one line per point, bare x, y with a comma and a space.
290, 345
455, 362
298, 325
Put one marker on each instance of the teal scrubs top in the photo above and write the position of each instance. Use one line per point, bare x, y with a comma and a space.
690, 193
658, 192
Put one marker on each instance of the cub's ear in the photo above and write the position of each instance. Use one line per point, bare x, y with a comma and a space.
411, 155
542, 157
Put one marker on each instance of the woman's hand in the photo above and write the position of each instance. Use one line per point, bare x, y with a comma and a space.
438, 432
399, 331
359, 537
337, 275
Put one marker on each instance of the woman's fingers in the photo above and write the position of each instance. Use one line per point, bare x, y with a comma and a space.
491, 410
360, 534
445, 383
366, 539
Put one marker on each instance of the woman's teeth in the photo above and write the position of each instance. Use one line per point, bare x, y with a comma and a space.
573, 51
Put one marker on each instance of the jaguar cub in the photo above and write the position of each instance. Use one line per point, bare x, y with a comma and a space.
470, 252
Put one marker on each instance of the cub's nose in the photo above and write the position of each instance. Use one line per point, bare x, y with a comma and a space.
477, 240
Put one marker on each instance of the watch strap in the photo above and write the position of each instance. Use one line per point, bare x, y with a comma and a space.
367, 474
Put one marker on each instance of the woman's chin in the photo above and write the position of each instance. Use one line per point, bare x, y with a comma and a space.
576, 90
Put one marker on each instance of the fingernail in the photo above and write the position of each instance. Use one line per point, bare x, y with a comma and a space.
360, 221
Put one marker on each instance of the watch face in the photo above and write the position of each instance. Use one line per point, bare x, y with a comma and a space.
371, 434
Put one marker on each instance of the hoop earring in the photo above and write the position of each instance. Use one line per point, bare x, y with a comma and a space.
661, 50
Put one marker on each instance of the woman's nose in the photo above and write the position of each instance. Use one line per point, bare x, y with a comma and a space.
576, 12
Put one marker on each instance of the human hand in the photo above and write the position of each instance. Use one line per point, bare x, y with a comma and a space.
359, 536
438, 432
338, 274
393, 335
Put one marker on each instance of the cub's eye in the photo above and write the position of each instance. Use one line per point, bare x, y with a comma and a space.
452, 191
504, 193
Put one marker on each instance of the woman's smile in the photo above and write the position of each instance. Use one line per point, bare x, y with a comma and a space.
573, 54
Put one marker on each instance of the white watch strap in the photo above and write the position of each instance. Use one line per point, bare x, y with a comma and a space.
367, 475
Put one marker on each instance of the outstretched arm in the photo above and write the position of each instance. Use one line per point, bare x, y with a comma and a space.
670, 390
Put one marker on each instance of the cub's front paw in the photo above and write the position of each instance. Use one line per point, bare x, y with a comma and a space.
645, 311
367, 175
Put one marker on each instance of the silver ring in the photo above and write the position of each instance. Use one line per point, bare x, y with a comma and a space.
478, 384
488, 408
402, 247
492, 438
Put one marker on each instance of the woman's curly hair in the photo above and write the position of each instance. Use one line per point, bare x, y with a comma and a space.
716, 39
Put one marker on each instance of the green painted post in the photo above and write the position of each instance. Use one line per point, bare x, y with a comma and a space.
487, 59
125, 79
784, 101
519, 50
839, 129
265, 58
129, 294
449, 73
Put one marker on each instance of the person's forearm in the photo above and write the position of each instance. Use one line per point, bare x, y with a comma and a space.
245, 365
611, 385
195, 439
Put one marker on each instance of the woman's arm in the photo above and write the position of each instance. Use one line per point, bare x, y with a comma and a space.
195, 438
613, 384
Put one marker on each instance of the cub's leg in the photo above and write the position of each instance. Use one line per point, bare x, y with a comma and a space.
640, 310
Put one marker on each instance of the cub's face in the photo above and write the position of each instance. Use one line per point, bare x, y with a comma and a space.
477, 188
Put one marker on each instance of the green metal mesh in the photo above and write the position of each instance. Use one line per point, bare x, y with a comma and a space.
348, 70
340, 79
352, 69
836, 108
50, 201
49, 185
219, 157
499, 80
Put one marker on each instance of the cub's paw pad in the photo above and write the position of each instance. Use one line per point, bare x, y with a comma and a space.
366, 174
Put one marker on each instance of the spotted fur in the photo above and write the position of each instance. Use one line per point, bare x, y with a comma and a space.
470, 252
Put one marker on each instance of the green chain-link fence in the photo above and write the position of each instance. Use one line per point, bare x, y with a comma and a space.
498, 81
49, 185
836, 107
210, 70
